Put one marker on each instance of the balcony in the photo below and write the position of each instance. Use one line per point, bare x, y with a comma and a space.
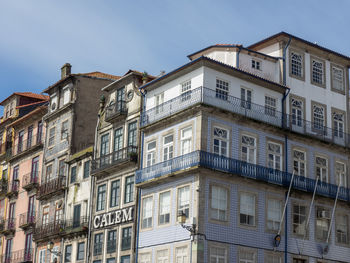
26, 145
27, 220
79, 226
30, 181
3, 186
247, 109
19, 256
48, 231
116, 111
12, 190
53, 187
237, 167
117, 157
9, 226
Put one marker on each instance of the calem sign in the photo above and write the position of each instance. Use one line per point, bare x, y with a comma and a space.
114, 218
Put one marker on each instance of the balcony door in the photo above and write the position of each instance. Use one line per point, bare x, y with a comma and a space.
35, 170
76, 215
20, 141
28, 248
8, 250
11, 216
104, 149
31, 209
118, 144
120, 99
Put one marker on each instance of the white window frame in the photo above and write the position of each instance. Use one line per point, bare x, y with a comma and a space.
145, 257
186, 139
338, 124
221, 141
297, 112
323, 218
147, 212
296, 64
299, 228
168, 147
256, 64
299, 162
273, 214
52, 136
270, 105
186, 91
159, 100
250, 216
222, 89
181, 257
244, 252
342, 229
246, 98
274, 158
340, 174
64, 130
215, 256
251, 149
321, 169
164, 209
337, 78
317, 72
183, 205
219, 200
151, 153
319, 115
162, 258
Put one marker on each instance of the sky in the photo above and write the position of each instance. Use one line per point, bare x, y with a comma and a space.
38, 36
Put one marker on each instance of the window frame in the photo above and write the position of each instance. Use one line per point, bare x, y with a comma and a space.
129, 229
314, 128
221, 140
255, 221
149, 219
324, 79
274, 154
256, 143
83, 251
73, 179
161, 250
246, 99
300, 161
333, 88
327, 209
256, 64
186, 90
345, 176
118, 194
151, 154
222, 89
299, 204
227, 211
189, 204
169, 147
64, 131
218, 257
317, 166
245, 250
159, 208
132, 192
65, 253
103, 202
338, 133
302, 54
86, 169
337, 224
185, 139
51, 138
275, 198
270, 110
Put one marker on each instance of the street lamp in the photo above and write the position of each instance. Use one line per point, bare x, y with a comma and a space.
50, 247
181, 218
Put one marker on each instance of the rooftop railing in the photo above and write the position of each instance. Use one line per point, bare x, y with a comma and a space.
24, 145
115, 157
115, 110
244, 108
244, 169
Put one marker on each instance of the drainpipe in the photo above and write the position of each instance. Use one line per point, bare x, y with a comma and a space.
285, 95
286, 217
284, 70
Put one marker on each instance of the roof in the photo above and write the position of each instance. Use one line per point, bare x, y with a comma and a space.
232, 46
138, 73
28, 95
95, 74
203, 58
284, 34
33, 112
30, 104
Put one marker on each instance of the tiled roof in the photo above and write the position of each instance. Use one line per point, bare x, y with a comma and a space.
30, 104
98, 74
27, 94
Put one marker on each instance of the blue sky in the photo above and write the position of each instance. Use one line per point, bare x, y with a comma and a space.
38, 37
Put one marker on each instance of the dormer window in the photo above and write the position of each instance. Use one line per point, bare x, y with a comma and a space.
256, 64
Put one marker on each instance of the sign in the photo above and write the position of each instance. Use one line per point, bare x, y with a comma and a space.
114, 218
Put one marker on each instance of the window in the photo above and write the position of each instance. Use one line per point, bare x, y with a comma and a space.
318, 117
256, 64
147, 212
64, 130
101, 197
129, 189
186, 140
297, 109
337, 79
162, 256
340, 175
86, 169
132, 134
126, 238
220, 143
248, 149
61, 167
115, 194
68, 253
322, 169
145, 258
73, 174
125, 259
246, 256
270, 106
181, 254
20, 142
221, 89
323, 219
104, 150
98, 243
45, 219
168, 147
42, 256
52, 132
39, 132
299, 219
299, 162
273, 258
81, 251
159, 102
151, 153
218, 203
338, 125
317, 72
186, 90
112, 241
8, 251
183, 200
274, 214
247, 209
296, 64
164, 208
274, 156
118, 144
299, 260
342, 229
110, 260
246, 98
218, 255
30, 136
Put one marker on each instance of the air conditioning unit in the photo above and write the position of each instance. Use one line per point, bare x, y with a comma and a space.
323, 214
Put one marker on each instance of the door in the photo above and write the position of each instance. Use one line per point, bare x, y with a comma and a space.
76, 216
104, 149
28, 248
10, 223
8, 251
35, 170
31, 210
30, 136
118, 144
20, 142
120, 99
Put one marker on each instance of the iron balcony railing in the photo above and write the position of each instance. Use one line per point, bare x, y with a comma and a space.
19, 256
244, 108
30, 180
115, 157
13, 187
24, 145
76, 225
9, 226
51, 187
238, 167
3, 186
27, 219
116, 109
48, 230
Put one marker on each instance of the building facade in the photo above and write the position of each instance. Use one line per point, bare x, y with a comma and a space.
226, 136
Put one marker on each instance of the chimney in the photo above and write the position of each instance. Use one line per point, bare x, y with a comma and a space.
65, 70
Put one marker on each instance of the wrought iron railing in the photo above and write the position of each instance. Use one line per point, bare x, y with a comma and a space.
3, 186
79, 224
9, 225
27, 219
52, 186
13, 187
116, 109
30, 179
115, 157
24, 255
247, 109
48, 230
24, 145
238, 167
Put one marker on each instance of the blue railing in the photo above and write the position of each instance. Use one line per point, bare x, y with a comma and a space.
244, 108
237, 167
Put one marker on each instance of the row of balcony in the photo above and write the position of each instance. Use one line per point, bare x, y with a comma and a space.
61, 228
8, 226
11, 188
116, 110
244, 169
248, 109
19, 256
116, 157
